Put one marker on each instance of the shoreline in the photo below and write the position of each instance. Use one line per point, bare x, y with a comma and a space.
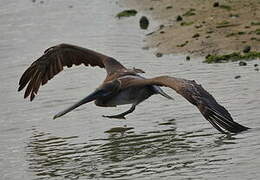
198, 28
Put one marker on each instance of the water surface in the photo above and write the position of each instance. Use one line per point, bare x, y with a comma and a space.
161, 139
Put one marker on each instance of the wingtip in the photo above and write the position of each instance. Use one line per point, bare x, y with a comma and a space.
225, 125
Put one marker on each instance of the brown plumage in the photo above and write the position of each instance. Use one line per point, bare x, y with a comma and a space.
55, 58
122, 85
216, 114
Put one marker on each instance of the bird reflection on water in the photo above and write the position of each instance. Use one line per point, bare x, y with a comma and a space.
122, 154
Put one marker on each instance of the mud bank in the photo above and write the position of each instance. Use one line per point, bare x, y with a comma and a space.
201, 27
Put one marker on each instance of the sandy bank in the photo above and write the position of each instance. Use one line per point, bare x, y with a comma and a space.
202, 29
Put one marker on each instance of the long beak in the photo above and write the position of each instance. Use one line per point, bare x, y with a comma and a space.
87, 99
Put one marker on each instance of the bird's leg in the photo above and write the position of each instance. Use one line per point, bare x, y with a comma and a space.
122, 115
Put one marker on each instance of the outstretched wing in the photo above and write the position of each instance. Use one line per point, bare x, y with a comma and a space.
216, 114
55, 58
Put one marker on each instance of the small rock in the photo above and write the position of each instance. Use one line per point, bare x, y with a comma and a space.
151, 8
158, 54
158, 44
234, 15
246, 49
162, 32
144, 22
150, 33
187, 58
207, 56
183, 44
216, 4
237, 77
145, 48
169, 7
255, 65
242, 63
179, 18
161, 26
198, 26
196, 35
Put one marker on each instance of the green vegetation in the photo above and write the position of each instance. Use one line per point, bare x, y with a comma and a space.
235, 56
183, 44
227, 7
186, 23
230, 34
226, 25
255, 39
234, 15
223, 22
257, 31
190, 13
241, 33
255, 23
234, 34
126, 13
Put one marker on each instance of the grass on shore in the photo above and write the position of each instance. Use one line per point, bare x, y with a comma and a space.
126, 13
235, 56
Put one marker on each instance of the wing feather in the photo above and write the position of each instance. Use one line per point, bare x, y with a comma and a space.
25, 78
216, 114
30, 85
55, 58
37, 83
45, 79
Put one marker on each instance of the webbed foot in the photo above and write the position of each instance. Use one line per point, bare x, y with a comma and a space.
122, 115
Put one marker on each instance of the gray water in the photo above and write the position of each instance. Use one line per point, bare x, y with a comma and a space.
161, 139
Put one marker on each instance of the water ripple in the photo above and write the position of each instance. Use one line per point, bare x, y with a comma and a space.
123, 153
160, 140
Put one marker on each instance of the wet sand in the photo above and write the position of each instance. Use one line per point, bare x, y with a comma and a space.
202, 29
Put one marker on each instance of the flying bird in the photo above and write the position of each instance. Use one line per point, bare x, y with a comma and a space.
122, 85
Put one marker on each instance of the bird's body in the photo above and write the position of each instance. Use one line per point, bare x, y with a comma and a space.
121, 85
132, 95
129, 95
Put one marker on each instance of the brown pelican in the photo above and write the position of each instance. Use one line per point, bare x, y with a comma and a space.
122, 85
